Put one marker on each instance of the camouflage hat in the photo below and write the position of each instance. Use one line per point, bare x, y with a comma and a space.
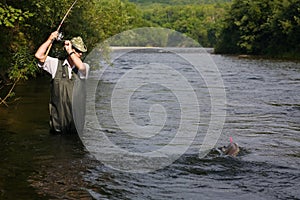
77, 42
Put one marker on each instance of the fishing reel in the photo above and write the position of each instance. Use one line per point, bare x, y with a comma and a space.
60, 37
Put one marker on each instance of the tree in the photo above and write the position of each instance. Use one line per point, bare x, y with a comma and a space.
262, 27
10, 22
200, 22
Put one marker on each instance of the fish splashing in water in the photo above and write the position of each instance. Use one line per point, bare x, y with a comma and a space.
232, 149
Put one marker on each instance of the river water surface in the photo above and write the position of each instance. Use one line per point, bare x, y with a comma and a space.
262, 116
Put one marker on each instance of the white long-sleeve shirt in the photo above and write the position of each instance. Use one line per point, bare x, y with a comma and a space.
50, 65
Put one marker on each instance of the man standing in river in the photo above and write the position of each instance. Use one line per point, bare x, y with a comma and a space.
68, 93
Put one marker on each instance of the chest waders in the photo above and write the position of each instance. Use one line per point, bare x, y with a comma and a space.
67, 99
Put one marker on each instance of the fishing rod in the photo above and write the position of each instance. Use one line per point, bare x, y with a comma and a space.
60, 36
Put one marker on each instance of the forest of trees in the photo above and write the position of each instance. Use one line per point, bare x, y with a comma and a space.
200, 22
144, 3
262, 27
259, 27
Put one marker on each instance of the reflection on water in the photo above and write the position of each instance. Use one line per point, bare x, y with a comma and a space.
262, 116
59, 168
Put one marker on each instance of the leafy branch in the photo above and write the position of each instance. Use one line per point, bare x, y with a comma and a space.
24, 66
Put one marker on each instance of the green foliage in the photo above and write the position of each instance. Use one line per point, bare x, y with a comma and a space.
107, 18
11, 21
268, 27
152, 37
10, 15
200, 22
146, 3
24, 65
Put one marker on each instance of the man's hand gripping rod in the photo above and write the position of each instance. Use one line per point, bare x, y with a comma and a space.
61, 23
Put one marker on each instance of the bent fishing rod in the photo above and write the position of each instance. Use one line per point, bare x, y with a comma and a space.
58, 28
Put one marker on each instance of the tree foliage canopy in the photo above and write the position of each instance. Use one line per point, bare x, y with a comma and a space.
200, 22
263, 27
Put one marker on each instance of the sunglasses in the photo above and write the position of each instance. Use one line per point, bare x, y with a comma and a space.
78, 51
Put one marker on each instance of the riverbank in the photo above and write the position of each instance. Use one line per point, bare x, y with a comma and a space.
267, 57
293, 58
165, 49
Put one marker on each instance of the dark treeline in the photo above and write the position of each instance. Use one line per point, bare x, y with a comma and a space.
262, 27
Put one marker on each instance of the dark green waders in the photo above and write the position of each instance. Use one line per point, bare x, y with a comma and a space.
67, 102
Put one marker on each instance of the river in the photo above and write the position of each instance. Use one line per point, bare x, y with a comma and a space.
262, 115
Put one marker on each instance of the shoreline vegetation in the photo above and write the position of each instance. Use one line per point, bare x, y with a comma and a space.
207, 50
249, 28
203, 50
211, 50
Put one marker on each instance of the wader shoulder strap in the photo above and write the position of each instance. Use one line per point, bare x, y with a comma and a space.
62, 70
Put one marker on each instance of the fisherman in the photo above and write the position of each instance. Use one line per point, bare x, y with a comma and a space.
68, 93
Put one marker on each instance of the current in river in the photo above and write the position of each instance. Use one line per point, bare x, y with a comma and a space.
261, 112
